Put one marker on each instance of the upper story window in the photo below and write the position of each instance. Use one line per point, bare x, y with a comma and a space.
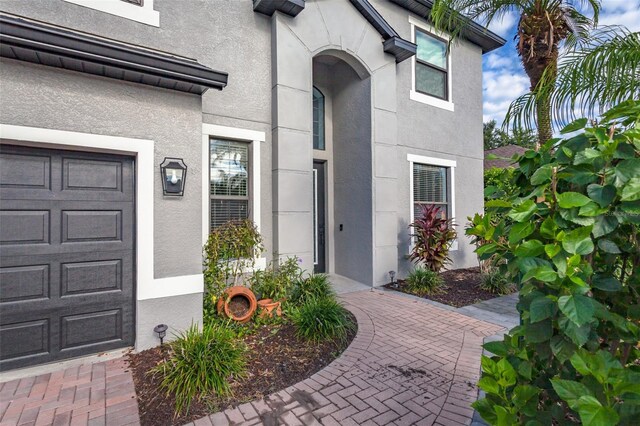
431, 74
431, 65
136, 10
318, 119
228, 181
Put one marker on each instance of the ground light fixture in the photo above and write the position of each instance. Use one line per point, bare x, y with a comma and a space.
173, 172
392, 275
161, 331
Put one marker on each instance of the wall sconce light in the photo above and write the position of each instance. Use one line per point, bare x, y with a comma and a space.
174, 173
161, 331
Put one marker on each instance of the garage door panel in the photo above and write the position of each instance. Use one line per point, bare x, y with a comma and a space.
91, 225
24, 339
90, 328
91, 277
23, 283
80, 174
66, 255
25, 171
19, 227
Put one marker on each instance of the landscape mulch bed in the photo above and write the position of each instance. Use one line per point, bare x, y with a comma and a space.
276, 359
462, 288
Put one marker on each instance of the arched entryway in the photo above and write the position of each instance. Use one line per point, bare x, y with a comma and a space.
342, 176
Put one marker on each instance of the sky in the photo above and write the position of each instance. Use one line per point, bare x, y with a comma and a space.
503, 78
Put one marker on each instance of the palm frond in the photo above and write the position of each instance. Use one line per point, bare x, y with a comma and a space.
594, 74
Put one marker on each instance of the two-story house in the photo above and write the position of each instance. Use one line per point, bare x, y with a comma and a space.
326, 122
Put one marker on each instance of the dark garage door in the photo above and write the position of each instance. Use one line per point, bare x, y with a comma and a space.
66, 254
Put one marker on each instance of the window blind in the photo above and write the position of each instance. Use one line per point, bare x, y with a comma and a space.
429, 187
229, 181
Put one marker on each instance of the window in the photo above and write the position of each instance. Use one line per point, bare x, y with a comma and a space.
228, 181
431, 73
136, 10
318, 119
430, 188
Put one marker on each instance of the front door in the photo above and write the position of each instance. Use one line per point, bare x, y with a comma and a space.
319, 228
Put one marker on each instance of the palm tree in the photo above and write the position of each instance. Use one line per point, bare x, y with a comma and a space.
543, 26
594, 74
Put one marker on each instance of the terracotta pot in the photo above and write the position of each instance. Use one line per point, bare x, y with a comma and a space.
268, 307
237, 291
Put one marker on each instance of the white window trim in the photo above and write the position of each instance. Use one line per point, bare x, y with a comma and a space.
146, 286
414, 95
255, 138
431, 161
143, 14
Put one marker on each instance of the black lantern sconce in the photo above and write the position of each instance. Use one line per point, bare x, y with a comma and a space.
161, 331
174, 173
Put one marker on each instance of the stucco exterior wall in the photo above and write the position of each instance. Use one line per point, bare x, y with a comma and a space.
434, 132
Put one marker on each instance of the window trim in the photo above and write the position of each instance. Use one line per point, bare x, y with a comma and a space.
254, 139
143, 13
451, 186
324, 126
418, 96
249, 197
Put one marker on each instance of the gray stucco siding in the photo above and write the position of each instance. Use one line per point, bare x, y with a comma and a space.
66, 100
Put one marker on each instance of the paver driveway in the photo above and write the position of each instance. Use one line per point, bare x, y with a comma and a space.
90, 394
411, 363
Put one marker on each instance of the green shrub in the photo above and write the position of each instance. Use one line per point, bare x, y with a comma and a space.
433, 236
200, 363
321, 319
276, 281
316, 286
424, 282
230, 249
496, 282
570, 239
499, 183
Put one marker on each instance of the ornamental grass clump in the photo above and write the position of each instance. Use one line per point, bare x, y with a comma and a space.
424, 282
315, 286
201, 363
320, 319
496, 282
570, 239
433, 235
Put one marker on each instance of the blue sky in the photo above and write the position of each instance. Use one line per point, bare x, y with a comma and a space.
503, 77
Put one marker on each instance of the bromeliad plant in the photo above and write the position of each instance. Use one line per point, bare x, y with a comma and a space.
433, 235
570, 238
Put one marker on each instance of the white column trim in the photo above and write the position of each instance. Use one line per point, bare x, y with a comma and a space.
146, 286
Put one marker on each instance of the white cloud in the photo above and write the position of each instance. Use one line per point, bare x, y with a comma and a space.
500, 88
504, 26
621, 13
493, 60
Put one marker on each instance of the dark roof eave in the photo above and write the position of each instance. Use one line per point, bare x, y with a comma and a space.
394, 44
477, 34
54, 46
269, 7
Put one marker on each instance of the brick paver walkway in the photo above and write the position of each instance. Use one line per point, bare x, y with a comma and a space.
411, 363
94, 394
